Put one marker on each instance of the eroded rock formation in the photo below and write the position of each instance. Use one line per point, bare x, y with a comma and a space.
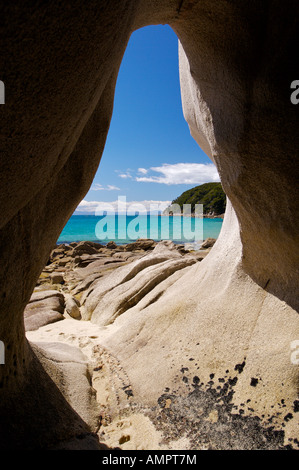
234, 315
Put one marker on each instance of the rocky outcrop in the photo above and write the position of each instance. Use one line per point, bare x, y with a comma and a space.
43, 308
92, 280
140, 245
129, 286
208, 243
232, 316
72, 307
131, 313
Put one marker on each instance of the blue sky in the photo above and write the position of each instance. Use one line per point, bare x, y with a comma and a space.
149, 154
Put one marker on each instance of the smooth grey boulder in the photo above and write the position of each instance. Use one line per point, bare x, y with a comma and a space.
34, 320
163, 252
44, 307
46, 294
72, 307
71, 374
56, 278
208, 243
121, 295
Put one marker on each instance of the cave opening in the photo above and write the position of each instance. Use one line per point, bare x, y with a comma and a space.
149, 158
48, 168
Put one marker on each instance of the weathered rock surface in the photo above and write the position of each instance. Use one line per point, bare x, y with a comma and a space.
72, 307
45, 294
86, 248
86, 281
122, 290
208, 243
43, 308
69, 363
127, 333
57, 278
140, 245
232, 316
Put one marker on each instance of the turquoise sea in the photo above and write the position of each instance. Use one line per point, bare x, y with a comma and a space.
124, 229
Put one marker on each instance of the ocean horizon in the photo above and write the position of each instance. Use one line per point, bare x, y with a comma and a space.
123, 229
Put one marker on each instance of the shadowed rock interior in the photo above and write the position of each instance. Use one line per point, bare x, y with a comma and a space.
237, 60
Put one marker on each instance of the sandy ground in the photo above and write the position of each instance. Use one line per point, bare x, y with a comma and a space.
122, 426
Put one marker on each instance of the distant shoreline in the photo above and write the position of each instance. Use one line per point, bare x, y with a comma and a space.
117, 242
128, 229
205, 216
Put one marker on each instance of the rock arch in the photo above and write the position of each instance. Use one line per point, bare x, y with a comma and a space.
60, 65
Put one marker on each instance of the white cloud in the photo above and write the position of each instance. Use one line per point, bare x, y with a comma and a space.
142, 171
87, 206
122, 206
125, 175
110, 187
182, 173
99, 187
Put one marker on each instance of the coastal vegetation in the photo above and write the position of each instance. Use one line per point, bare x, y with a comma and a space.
211, 195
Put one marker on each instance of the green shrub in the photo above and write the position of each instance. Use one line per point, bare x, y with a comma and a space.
211, 195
